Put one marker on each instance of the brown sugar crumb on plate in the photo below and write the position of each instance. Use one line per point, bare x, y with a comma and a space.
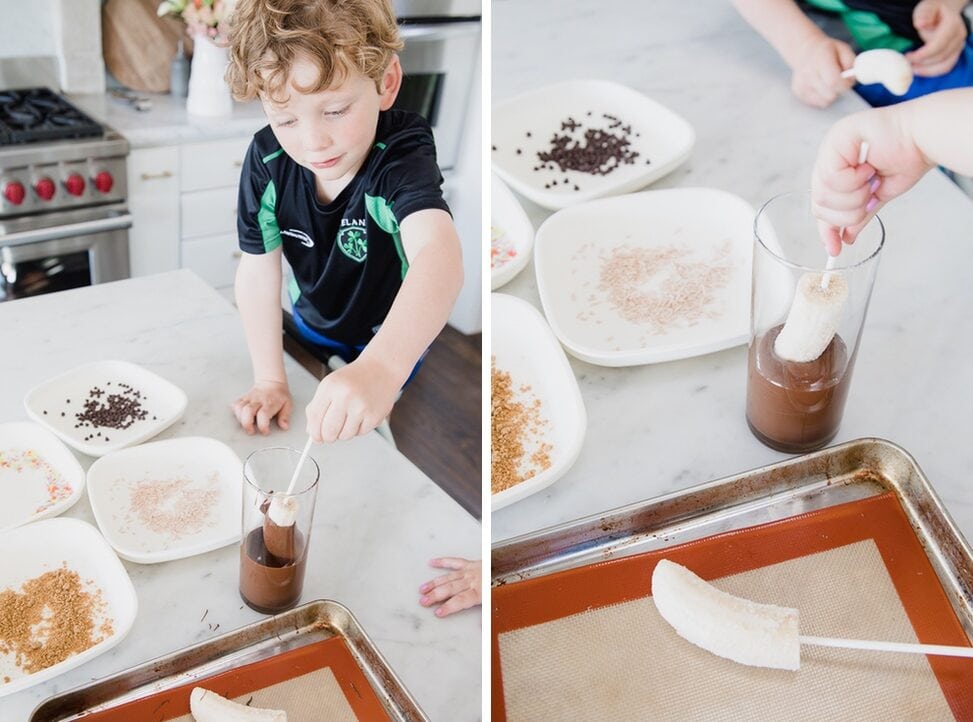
516, 424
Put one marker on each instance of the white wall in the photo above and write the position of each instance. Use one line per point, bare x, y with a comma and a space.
467, 213
68, 30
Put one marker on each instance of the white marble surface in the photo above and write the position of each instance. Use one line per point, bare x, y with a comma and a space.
661, 428
378, 518
167, 123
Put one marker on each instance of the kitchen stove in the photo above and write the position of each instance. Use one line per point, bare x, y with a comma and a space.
63, 216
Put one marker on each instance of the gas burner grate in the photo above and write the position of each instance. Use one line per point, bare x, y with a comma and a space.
39, 114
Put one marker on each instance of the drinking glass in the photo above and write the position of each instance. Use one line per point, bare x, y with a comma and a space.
797, 406
273, 555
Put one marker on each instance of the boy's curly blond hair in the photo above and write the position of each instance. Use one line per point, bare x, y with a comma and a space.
339, 36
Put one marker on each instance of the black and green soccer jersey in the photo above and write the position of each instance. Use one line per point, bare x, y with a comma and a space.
877, 23
346, 255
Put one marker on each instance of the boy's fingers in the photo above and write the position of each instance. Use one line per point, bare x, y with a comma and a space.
439, 581
351, 428
444, 591
458, 603
263, 420
449, 563
331, 423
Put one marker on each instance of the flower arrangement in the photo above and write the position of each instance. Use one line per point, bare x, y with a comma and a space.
203, 18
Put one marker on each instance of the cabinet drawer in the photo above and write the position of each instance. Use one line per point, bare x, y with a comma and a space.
206, 213
212, 164
215, 258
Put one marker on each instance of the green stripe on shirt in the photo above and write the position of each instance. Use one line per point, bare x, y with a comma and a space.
267, 218
381, 212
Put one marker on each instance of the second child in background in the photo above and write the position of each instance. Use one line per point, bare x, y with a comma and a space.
933, 34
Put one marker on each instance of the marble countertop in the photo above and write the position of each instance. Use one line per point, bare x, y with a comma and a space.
661, 428
378, 518
167, 122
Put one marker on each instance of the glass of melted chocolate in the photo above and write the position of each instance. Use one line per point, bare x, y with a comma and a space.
276, 528
805, 324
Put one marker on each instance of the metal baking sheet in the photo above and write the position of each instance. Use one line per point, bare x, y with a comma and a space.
850, 471
307, 624
863, 472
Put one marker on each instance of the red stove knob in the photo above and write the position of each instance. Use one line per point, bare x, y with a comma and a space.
103, 181
44, 188
14, 192
74, 184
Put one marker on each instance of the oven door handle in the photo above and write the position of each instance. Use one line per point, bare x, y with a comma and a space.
84, 228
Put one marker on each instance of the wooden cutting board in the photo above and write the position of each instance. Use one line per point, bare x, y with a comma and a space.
138, 45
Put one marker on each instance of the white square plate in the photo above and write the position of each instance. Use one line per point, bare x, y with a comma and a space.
609, 273
168, 499
663, 140
524, 347
44, 546
56, 403
39, 476
511, 235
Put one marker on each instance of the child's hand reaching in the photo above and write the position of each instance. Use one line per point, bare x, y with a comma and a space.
351, 401
816, 78
943, 34
845, 195
261, 404
460, 588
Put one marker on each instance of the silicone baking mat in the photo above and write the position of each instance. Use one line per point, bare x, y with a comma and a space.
587, 643
318, 682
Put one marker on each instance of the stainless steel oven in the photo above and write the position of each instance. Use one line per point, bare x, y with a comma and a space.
79, 248
63, 216
440, 57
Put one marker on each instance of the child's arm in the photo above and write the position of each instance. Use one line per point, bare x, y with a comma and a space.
356, 398
943, 32
815, 59
905, 141
257, 290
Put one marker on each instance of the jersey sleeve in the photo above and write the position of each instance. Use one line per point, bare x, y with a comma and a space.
257, 204
409, 179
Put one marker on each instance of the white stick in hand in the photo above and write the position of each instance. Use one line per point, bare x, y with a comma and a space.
826, 278
283, 512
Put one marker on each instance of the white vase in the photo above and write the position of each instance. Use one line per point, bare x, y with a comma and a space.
209, 95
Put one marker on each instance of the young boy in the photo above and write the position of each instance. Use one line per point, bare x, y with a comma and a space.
348, 191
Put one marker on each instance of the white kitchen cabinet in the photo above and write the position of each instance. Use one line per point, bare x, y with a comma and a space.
153, 199
183, 199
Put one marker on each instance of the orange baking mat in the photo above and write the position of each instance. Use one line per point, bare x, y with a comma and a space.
296, 666
565, 619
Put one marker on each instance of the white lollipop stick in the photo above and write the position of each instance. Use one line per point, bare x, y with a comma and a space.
826, 278
283, 512
759, 635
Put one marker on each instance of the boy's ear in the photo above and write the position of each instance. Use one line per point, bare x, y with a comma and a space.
391, 82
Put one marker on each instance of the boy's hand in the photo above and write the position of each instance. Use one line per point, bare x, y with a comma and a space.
816, 78
943, 34
262, 403
460, 588
351, 401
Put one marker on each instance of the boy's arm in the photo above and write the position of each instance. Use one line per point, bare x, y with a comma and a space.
782, 24
356, 398
816, 60
257, 291
426, 297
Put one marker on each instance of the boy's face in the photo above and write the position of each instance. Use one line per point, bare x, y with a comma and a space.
331, 132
